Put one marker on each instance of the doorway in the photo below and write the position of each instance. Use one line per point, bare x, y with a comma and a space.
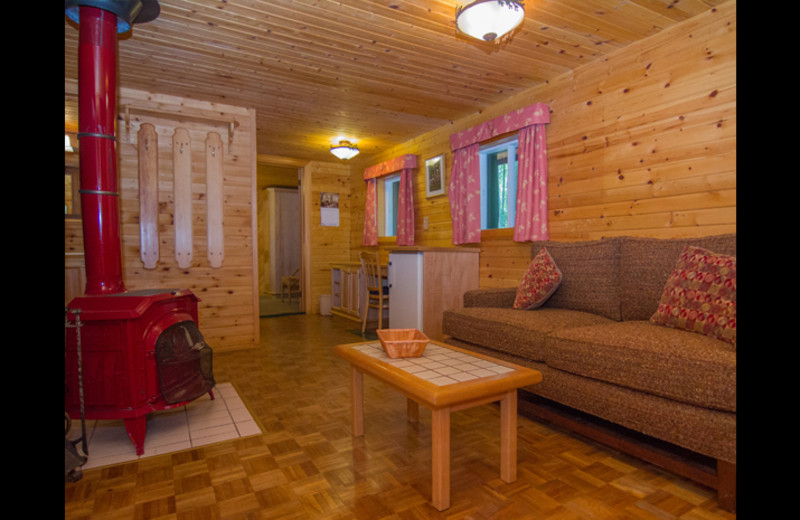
279, 239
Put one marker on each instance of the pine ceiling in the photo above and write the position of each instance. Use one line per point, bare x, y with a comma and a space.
378, 72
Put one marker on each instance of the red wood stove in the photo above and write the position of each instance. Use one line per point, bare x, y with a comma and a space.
127, 353
140, 351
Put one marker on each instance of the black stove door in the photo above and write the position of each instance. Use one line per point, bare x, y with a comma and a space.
184, 363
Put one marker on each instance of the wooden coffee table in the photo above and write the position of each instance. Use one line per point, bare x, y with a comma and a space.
445, 379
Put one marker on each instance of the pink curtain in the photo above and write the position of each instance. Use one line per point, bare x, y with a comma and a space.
465, 195
406, 165
370, 217
531, 220
405, 209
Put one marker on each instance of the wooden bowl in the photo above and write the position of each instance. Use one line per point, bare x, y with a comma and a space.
402, 343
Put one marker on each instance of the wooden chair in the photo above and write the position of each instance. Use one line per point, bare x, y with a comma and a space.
377, 295
290, 283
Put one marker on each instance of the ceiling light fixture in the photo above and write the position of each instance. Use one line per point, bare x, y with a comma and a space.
489, 20
344, 150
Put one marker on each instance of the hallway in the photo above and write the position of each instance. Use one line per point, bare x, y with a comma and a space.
271, 305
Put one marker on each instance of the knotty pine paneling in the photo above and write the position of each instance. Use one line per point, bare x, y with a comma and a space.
325, 244
228, 313
641, 142
393, 70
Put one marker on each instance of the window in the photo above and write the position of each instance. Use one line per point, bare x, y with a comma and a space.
387, 196
72, 200
499, 184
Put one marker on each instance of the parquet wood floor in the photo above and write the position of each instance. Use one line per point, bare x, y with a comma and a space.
306, 465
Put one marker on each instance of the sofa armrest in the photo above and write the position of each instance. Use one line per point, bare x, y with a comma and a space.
496, 297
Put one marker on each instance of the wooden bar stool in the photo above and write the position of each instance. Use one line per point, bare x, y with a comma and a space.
377, 295
290, 284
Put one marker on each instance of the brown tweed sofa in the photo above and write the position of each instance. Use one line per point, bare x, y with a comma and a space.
599, 353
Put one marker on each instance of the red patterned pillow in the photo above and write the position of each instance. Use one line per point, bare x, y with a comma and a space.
539, 283
700, 295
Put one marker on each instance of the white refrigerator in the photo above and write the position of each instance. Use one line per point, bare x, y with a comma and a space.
426, 281
405, 278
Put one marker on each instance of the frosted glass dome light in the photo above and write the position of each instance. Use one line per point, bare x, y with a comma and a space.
344, 150
489, 20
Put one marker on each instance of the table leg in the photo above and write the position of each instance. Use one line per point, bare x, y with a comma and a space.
357, 397
441, 459
413, 410
508, 437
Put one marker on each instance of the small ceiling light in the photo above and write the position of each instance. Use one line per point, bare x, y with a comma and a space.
67, 144
489, 20
344, 150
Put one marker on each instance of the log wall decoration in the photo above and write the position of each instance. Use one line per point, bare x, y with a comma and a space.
182, 188
148, 194
216, 250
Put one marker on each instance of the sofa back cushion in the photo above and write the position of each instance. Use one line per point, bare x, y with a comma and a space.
646, 264
590, 280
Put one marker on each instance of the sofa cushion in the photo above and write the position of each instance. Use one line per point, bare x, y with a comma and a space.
671, 363
490, 297
708, 431
704, 430
646, 263
590, 272
539, 282
700, 295
517, 332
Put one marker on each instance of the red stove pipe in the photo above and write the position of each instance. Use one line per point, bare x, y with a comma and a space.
97, 90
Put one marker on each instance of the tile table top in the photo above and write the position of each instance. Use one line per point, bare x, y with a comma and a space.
438, 365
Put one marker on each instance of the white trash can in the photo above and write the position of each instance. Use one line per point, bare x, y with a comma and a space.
325, 304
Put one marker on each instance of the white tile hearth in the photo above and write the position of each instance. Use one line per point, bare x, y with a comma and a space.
200, 422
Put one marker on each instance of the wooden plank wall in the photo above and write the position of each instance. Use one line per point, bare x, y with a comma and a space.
228, 312
326, 244
641, 142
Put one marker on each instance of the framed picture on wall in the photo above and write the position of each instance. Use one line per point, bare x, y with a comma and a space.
434, 176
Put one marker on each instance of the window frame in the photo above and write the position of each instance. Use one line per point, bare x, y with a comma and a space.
72, 208
510, 144
386, 200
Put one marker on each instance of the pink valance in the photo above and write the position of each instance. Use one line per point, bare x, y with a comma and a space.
405, 164
537, 113
389, 166
465, 183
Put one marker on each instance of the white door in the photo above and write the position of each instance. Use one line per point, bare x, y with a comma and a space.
284, 248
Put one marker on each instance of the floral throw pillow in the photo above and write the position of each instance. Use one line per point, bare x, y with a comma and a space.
539, 283
700, 295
